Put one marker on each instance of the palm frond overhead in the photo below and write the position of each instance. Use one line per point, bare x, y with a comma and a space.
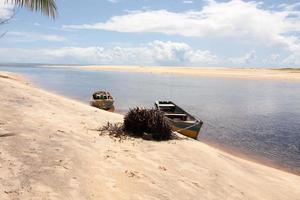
46, 7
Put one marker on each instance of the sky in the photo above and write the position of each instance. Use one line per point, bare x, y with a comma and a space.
202, 33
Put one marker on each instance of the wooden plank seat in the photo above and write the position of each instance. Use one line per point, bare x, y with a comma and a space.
176, 115
166, 105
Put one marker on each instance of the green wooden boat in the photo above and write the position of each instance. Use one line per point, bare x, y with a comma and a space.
180, 121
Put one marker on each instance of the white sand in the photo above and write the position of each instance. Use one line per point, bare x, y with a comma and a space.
49, 150
293, 75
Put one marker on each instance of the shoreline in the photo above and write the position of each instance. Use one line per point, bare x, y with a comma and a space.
244, 155
248, 73
50, 149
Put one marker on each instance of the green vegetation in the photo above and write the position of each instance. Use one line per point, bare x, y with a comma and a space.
46, 7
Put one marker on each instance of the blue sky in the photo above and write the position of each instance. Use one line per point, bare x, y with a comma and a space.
200, 33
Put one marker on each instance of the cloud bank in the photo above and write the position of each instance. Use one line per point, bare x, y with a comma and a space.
244, 22
236, 18
247, 21
153, 53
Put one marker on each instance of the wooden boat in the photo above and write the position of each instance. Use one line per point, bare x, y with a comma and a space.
102, 100
180, 121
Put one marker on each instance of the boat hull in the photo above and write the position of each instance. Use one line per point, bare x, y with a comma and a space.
185, 128
179, 120
102, 104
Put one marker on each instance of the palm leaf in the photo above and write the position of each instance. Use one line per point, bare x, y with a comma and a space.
46, 7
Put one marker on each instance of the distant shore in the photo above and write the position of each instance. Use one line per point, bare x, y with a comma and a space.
271, 74
50, 149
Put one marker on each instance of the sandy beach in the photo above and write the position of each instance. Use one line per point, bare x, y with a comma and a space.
272, 74
49, 149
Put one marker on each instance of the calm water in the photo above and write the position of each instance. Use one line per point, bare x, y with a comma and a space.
257, 118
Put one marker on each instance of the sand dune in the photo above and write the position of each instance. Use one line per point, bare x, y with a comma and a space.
49, 149
208, 72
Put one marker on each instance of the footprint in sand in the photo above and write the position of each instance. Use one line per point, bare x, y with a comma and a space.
64, 164
7, 134
134, 174
111, 183
110, 154
162, 168
188, 184
129, 153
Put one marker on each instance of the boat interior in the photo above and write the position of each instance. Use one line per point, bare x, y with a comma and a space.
102, 95
173, 112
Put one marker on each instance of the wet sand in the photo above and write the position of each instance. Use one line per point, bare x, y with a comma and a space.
49, 149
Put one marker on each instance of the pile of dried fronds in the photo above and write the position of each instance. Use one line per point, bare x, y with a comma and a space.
113, 130
141, 121
149, 124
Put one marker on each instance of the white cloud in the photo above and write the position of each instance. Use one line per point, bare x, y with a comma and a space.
188, 1
237, 19
29, 37
248, 58
153, 53
113, 1
6, 10
274, 57
292, 60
